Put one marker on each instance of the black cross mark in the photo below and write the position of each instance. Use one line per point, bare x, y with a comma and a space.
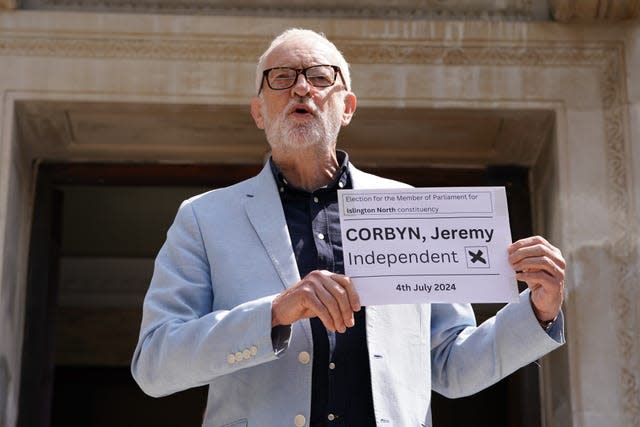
477, 257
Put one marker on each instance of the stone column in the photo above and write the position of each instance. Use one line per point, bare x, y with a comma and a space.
632, 61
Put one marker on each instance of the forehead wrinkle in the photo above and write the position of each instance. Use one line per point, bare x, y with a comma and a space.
300, 55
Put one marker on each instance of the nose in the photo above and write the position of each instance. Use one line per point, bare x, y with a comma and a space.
301, 87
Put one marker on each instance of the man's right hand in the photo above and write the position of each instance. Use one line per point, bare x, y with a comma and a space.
328, 296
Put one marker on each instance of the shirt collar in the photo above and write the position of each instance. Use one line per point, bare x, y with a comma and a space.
341, 180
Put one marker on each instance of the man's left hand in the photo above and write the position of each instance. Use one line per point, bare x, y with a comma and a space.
541, 265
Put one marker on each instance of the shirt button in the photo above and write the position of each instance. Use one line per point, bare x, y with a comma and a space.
304, 357
315, 199
332, 366
299, 420
320, 236
341, 184
331, 417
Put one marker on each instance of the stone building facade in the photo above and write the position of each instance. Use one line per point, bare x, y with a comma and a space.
549, 86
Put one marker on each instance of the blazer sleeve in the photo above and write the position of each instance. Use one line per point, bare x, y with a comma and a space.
466, 359
182, 342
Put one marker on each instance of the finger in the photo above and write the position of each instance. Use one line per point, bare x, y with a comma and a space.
533, 249
338, 295
316, 307
334, 307
537, 250
340, 302
552, 265
352, 294
527, 241
537, 279
543, 263
333, 297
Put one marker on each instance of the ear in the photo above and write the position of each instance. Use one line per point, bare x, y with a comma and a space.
256, 111
350, 103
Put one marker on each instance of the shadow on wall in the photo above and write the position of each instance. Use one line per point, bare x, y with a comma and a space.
5, 381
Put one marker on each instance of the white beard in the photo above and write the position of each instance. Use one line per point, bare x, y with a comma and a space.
320, 132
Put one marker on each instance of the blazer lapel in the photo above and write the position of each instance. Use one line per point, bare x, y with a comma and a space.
264, 209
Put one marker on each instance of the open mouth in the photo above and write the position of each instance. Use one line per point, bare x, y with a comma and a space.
301, 110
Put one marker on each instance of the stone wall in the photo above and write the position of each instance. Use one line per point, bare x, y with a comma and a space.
633, 83
590, 11
380, 9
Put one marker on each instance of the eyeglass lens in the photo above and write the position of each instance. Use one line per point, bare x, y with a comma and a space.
318, 75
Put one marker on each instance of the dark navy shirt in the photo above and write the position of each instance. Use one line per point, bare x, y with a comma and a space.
341, 381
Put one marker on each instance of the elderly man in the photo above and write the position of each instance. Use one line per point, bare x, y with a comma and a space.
249, 296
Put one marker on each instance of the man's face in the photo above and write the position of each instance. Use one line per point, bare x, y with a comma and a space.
303, 115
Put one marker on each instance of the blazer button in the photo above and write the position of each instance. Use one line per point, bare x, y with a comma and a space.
299, 420
238, 356
246, 354
231, 359
304, 357
253, 350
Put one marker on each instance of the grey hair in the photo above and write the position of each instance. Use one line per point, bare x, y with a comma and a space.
294, 33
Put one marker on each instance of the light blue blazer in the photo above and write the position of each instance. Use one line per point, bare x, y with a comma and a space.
207, 320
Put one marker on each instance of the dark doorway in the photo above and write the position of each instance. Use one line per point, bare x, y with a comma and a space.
77, 345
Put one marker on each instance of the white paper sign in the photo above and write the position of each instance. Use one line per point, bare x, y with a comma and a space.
418, 245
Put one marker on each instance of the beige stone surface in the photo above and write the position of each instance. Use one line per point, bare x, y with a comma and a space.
256, 30
590, 10
633, 62
420, 134
586, 192
14, 237
594, 332
168, 73
633, 84
434, 9
8, 4
634, 121
632, 351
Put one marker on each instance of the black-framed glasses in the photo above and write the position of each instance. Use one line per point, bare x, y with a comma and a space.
280, 78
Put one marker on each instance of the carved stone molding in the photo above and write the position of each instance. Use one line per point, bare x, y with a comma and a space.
248, 50
234, 50
404, 9
589, 10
